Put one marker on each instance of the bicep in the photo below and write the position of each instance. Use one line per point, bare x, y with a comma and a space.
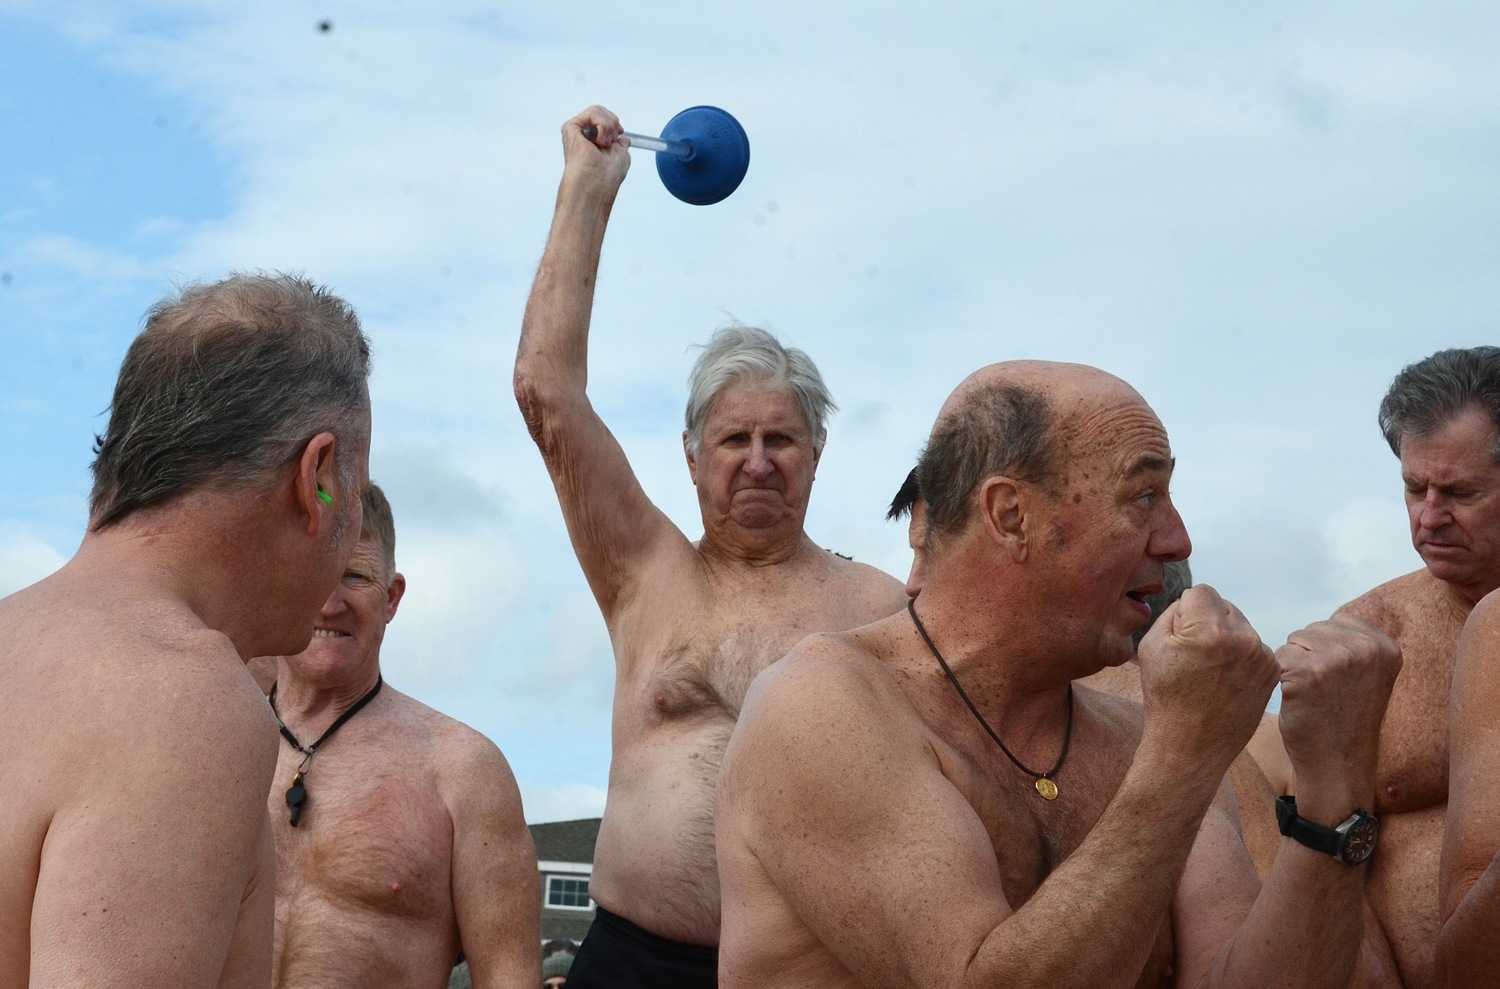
496, 889
154, 887
865, 840
613, 525
1471, 836
1218, 887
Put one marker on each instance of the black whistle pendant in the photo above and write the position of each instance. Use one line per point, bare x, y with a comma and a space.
296, 798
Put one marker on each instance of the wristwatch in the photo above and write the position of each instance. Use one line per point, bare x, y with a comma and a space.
1351, 842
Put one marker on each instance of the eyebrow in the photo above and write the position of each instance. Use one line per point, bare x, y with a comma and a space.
1152, 465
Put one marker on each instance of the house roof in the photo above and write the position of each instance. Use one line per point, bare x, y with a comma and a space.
566, 841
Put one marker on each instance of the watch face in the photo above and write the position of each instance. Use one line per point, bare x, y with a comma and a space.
1359, 840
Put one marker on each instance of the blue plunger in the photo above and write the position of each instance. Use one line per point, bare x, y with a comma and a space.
701, 156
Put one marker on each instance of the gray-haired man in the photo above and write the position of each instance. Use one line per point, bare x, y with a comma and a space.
137, 749
691, 623
1441, 417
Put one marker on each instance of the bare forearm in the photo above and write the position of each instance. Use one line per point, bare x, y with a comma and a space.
1306, 928
554, 333
1113, 894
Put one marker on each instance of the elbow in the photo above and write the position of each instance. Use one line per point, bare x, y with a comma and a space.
530, 399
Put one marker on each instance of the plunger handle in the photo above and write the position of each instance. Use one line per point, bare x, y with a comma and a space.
678, 149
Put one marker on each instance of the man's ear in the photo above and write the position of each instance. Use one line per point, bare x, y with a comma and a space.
317, 474
393, 594
1004, 505
692, 461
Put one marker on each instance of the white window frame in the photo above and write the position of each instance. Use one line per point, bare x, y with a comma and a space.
547, 900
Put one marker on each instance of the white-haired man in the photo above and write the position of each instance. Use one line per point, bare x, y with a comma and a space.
691, 623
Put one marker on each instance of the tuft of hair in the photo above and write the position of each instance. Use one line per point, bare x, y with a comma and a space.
226, 382
1002, 429
737, 352
1177, 577
1436, 390
906, 496
379, 524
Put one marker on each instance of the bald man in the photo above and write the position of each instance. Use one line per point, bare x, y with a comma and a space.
931, 800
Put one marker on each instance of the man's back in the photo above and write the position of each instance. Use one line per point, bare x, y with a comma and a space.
1411, 797
401, 834
120, 802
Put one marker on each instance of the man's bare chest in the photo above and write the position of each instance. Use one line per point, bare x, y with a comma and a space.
1412, 771
370, 836
700, 662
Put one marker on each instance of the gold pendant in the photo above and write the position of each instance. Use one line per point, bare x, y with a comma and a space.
1046, 788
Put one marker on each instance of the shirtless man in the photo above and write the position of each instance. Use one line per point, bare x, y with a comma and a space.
691, 623
1441, 416
871, 831
136, 749
1254, 789
399, 833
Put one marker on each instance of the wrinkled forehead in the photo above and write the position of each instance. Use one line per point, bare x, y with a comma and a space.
1114, 431
370, 553
755, 398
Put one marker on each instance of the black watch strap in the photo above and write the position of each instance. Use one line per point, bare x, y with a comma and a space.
1303, 831
1351, 842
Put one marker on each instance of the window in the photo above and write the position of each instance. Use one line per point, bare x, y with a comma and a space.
568, 893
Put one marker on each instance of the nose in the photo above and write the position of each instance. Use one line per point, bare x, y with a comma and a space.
1431, 513
335, 604
758, 465
1170, 542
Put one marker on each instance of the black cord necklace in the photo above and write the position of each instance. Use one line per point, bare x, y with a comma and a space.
296, 794
1044, 784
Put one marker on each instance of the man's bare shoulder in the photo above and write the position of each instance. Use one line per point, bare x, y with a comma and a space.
457, 756
1119, 716
880, 593
1394, 605
1485, 618
849, 670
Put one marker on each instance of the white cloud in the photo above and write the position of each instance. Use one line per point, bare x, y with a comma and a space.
1254, 215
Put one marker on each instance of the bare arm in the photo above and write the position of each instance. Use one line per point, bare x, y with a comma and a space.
496, 891
1468, 953
882, 857
1269, 753
155, 873
611, 521
1305, 929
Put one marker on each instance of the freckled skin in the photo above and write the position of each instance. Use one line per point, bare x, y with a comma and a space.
411, 844
1452, 491
691, 624
869, 833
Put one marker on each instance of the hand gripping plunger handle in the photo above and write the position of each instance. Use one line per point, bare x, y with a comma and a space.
678, 149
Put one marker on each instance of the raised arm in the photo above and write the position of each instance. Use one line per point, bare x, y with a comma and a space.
1305, 928
1468, 953
611, 521
496, 889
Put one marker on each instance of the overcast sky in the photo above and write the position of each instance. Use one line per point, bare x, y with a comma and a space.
1255, 214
